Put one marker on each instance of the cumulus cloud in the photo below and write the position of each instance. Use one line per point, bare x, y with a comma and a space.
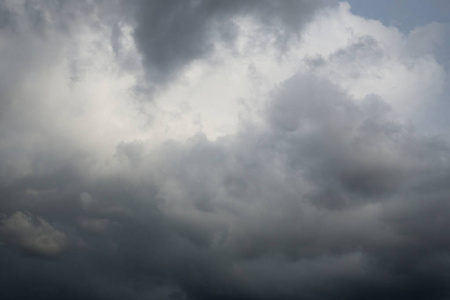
292, 151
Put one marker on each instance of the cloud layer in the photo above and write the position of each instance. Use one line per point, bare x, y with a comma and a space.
220, 150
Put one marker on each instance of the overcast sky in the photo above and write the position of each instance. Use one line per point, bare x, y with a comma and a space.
224, 149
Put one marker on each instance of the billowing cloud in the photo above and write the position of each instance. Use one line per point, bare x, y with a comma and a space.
293, 150
173, 34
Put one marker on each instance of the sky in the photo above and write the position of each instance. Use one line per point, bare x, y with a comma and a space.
212, 149
403, 14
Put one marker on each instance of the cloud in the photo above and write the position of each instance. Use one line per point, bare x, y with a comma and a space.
33, 235
310, 196
171, 35
284, 156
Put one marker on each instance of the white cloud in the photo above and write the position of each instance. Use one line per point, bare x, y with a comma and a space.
361, 56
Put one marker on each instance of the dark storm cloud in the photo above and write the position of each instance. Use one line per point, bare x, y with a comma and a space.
172, 34
331, 198
321, 203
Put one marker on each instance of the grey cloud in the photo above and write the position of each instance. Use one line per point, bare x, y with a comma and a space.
318, 188
172, 34
33, 235
334, 197
330, 200
363, 55
227, 219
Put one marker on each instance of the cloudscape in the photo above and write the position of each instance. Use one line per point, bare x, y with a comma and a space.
224, 149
